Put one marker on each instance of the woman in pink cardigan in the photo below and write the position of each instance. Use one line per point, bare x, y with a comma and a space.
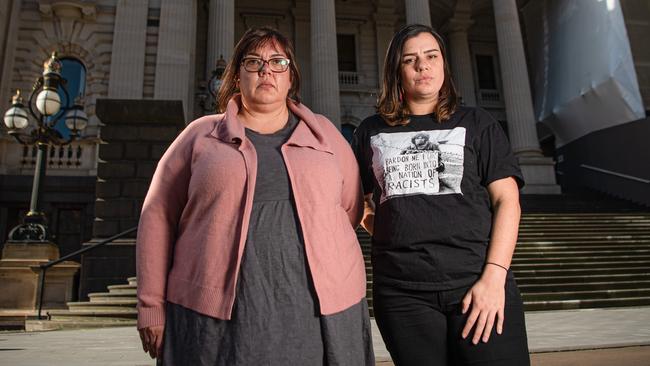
246, 250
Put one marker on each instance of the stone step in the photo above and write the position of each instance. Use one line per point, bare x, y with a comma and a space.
589, 278
79, 323
531, 243
555, 286
521, 274
517, 267
565, 244
624, 253
586, 303
582, 259
610, 235
611, 215
107, 296
584, 218
618, 245
595, 226
643, 230
132, 281
525, 220
583, 239
111, 288
111, 312
82, 306
585, 294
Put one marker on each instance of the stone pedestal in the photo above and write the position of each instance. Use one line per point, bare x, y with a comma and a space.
539, 173
19, 277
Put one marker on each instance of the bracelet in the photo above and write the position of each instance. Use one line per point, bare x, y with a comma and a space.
498, 265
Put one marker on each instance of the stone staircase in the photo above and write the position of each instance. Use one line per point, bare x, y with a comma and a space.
576, 260
104, 309
573, 260
565, 259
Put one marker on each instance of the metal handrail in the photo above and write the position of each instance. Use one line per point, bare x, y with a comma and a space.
617, 174
45, 266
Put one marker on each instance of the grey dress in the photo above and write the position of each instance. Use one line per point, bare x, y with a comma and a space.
276, 319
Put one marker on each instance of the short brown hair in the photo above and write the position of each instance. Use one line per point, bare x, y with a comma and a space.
391, 104
253, 39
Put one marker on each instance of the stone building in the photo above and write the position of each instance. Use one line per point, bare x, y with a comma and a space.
166, 50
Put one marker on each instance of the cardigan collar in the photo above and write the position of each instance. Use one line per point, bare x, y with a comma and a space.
309, 133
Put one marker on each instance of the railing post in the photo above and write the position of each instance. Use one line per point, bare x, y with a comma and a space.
41, 289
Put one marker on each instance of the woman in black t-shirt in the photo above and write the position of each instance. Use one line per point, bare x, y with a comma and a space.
442, 205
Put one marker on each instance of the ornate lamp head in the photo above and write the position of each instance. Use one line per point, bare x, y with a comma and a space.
16, 117
52, 65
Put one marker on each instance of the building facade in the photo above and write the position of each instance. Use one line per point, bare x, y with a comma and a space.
168, 49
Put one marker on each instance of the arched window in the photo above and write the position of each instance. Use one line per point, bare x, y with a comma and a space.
75, 73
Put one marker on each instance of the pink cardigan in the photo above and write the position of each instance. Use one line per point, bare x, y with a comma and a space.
195, 217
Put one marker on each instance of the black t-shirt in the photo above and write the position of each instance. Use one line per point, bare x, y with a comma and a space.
432, 210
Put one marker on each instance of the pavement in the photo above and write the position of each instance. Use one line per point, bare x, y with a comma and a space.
601, 334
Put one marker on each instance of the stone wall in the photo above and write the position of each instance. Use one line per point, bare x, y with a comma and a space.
135, 135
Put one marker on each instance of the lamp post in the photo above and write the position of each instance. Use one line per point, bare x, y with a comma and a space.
215, 80
46, 108
213, 85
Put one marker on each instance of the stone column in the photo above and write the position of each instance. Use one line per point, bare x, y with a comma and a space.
301, 42
175, 56
9, 18
538, 170
385, 20
129, 42
326, 99
460, 58
221, 33
417, 11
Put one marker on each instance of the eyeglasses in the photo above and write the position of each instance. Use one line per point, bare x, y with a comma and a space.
255, 64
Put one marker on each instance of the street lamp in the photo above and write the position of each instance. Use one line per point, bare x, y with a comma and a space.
45, 106
209, 105
215, 81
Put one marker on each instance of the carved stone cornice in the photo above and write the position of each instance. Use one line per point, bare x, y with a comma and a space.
72, 10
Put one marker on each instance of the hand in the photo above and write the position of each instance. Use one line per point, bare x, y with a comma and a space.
368, 219
487, 300
152, 338
368, 223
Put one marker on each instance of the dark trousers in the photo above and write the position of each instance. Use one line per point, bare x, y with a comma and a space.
423, 328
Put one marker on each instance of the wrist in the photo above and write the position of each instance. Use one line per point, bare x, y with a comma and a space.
494, 273
497, 264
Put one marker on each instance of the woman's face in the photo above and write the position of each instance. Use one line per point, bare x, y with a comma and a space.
422, 68
265, 86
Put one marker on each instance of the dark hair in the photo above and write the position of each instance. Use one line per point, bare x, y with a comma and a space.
253, 39
390, 104
420, 135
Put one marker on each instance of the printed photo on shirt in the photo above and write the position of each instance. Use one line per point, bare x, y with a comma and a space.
420, 162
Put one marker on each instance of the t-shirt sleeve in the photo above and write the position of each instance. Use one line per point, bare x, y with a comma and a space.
496, 160
363, 153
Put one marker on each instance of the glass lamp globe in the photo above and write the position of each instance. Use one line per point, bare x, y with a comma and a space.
16, 118
76, 119
48, 102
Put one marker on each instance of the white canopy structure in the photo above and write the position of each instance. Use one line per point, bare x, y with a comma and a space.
582, 71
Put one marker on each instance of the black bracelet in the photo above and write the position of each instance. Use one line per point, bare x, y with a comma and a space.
498, 265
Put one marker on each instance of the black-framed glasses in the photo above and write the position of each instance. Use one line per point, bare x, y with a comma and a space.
255, 64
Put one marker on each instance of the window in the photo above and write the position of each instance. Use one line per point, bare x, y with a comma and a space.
347, 52
75, 73
485, 69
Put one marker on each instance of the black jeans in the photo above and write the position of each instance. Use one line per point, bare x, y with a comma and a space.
422, 328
